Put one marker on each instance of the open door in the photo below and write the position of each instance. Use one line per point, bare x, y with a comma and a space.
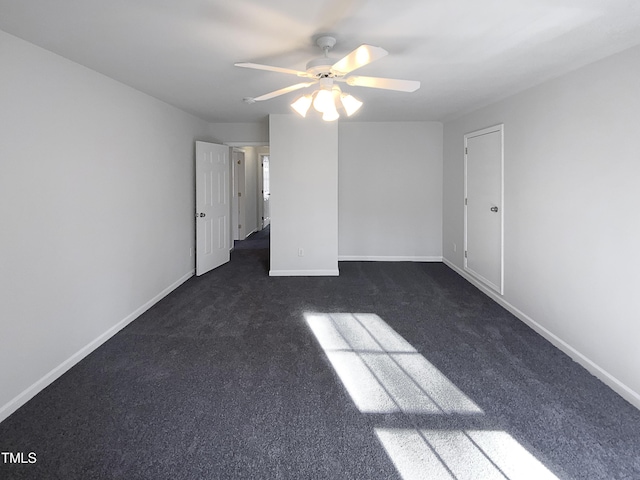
212, 206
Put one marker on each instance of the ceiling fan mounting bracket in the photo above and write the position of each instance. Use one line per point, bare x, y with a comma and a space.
326, 42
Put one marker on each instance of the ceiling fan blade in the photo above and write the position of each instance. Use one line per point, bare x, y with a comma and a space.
282, 91
361, 56
385, 83
269, 68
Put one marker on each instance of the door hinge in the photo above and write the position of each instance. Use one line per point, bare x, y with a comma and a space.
239, 194
239, 226
465, 201
466, 150
465, 254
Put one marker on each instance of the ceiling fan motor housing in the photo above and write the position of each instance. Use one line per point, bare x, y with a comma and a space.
321, 67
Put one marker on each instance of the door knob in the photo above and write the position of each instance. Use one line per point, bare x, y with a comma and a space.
494, 209
201, 215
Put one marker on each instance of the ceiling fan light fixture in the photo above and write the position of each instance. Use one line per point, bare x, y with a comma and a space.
302, 105
350, 103
330, 114
323, 101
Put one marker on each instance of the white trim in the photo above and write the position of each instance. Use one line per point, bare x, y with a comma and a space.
304, 273
387, 258
58, 371
479, 277
616, 385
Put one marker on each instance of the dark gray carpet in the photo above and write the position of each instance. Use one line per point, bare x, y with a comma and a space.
256, 241
223, 379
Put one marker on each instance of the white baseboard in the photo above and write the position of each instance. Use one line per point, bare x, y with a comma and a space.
57, 372
304, 273
387, 258
616, 385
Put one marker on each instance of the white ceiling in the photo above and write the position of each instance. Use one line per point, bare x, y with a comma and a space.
466, 53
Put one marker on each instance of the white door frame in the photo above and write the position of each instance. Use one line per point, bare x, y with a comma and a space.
496, 128
239, 194
234, 199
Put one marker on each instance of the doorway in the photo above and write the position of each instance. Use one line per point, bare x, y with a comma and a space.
484, 206
266, 193
248, 190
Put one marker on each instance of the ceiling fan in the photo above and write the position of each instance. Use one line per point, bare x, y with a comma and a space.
327, 72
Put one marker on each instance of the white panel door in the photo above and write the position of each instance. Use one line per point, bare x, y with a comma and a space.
484, 206
212, 206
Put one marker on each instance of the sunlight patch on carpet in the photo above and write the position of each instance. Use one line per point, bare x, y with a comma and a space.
385, 374
460, 455
381, 371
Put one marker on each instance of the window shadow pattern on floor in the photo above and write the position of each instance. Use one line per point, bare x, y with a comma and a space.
385, 374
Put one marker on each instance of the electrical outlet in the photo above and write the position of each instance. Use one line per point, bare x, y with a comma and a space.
301, 252
455, 248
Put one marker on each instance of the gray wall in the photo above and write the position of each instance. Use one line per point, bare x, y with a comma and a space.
571, 212
390, 191
241, 134
304, 195
96, 202
389, 202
